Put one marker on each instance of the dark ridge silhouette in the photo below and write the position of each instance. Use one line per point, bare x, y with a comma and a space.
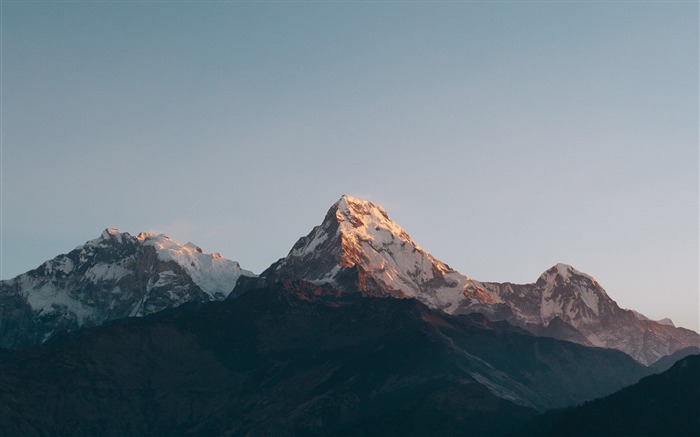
299, 359
667, 404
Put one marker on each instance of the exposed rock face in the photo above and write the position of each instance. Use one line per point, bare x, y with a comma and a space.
358, 247
114, 276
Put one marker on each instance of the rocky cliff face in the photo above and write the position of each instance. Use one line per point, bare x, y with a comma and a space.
114, 276
358, 247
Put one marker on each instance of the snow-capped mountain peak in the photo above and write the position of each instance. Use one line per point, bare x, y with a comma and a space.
562, 273
364, 223
109, 232
213, 273
360, 214
109, 235
358, 240
113, 276
571, 295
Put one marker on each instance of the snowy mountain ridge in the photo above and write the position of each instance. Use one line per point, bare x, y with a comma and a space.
213, 273
113, 276
358, 247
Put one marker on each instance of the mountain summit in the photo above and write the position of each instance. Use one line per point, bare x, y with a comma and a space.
358, 247
111, 277
563, 298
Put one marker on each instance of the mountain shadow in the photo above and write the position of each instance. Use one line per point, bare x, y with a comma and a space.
667, 404
300, 359
666, 362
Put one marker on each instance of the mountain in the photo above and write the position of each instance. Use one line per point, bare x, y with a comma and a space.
666, 362
358, 247
565, 294
296, 358
114, 276
667, 404
665, 321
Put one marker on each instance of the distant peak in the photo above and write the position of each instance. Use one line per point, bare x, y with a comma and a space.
641, 316
110, 231
565, 271
112, 234
666, 321
144, 235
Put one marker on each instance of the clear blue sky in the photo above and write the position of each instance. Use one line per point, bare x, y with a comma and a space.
504, 137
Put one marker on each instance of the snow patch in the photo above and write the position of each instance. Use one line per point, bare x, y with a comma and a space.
49, 299
564, 272
112, 233
371, 239
319, 237
214, 274
590, 298
106, 272
66, 265
61, 264
164, 279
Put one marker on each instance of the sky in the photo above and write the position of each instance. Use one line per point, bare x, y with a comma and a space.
504, 137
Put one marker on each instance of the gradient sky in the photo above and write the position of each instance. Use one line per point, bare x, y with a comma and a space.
504, 137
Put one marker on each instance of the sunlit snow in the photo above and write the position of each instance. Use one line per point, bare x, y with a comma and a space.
214, 274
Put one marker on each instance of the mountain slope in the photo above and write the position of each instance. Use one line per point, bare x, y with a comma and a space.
667, 404
114, 276
567, 295
358, 247
299, 359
